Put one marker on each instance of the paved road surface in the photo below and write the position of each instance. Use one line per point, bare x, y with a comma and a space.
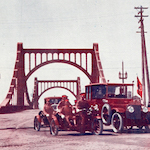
17, 133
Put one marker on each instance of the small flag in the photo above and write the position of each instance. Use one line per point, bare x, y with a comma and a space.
139, 87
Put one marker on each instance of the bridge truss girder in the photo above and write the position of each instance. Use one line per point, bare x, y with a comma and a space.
18, 90
41, 86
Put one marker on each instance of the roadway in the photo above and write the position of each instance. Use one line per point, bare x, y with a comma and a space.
16, 132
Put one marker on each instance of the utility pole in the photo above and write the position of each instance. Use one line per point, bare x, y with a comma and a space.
122, 75
144, 55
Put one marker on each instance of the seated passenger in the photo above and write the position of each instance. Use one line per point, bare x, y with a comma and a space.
62, 102
48, 110
66, 110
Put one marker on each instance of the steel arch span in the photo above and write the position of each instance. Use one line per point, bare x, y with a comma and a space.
18, 92
57, 87
59, 61
41, 86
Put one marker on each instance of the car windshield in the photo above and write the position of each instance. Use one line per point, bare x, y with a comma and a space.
119, 91
55, 101
98, 91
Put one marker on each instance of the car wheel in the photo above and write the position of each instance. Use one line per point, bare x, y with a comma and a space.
147, 129
106, 114
129, 127
117, 122
97, 126
80, 127
37, 124
140, 127
53, 128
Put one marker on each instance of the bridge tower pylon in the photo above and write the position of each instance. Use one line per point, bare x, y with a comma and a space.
17, 94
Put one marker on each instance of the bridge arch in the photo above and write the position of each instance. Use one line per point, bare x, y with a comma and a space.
53, 88
59, 61
73, 86
61, 88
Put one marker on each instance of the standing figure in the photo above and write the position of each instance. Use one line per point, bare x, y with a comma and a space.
82, 105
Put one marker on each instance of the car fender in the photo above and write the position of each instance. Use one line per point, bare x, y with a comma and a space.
119, 110
38, 118
148, 117
55, 119
98, 117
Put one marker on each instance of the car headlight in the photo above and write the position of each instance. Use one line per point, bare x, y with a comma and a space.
145, 109
130, 109
96, 107
47, 115
62, 116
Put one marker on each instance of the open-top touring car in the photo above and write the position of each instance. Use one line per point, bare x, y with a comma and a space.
41, 120
92, 122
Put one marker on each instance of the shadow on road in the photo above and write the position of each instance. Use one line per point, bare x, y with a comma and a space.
106, 132
15, 128
130, 131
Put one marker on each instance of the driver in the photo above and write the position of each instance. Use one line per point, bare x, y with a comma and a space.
62, 102
82, 105
48, 110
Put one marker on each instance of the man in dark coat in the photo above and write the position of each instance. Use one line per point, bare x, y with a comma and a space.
82, 105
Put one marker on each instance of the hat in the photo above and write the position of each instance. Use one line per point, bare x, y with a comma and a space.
64, 96
82, 94
48, 100
66, 100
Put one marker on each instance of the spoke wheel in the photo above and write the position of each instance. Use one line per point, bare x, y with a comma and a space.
129, 127
117, 122
97, 127
37, 124
140, 127
147, 129
106, 114
80, 127
53, 128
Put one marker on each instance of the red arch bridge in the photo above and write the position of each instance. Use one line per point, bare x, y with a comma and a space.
34, 59
41, 86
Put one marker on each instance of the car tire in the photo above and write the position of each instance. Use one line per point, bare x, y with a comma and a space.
117, 123
97, 126
128, 127
147, 129
37, 124
106, 114
140, 127
53, 128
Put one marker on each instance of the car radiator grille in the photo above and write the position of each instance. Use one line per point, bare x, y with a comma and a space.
136, 114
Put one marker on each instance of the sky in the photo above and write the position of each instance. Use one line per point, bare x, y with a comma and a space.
73, 24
